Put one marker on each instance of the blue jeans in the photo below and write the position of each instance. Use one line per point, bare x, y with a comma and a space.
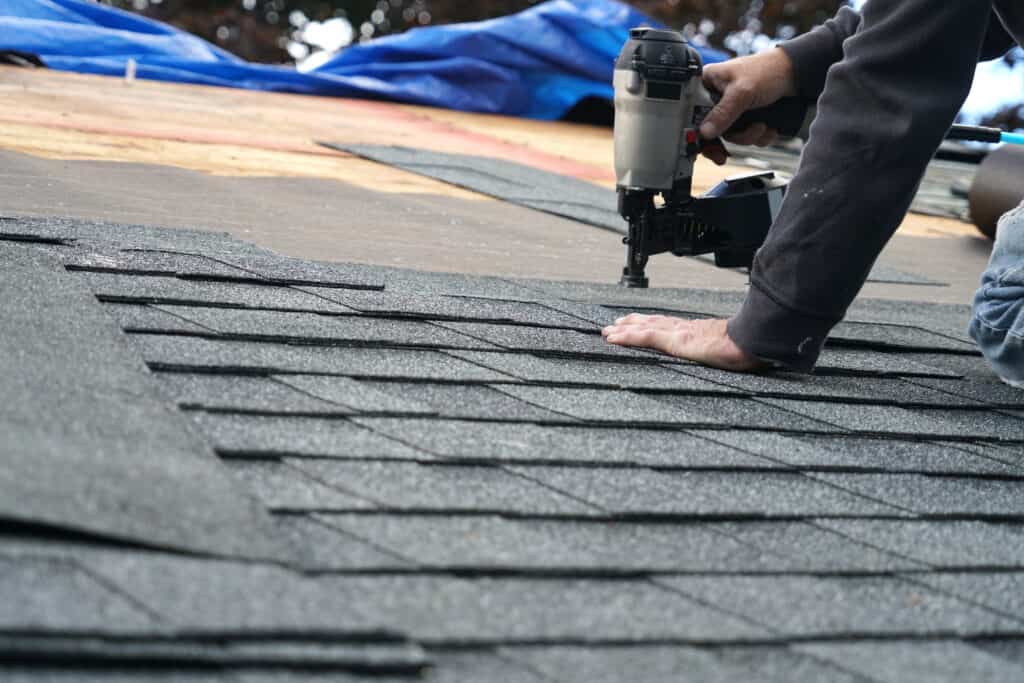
998, 321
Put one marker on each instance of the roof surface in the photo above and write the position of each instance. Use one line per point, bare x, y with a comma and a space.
224, 464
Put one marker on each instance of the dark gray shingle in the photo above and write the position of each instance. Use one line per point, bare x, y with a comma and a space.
306, 436
944, 661
554, 341
605, 373
313, 327
807, 547
236, 392
272, 358
664, 664
54, 595
855, 453
563, 444
942, 544
455, 400
358, 395
494, 542
816, 606
412, 486
936, 495
766, 494
280, 486
170, 290
1000, 592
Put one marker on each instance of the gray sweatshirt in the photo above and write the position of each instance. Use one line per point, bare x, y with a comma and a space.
889, 83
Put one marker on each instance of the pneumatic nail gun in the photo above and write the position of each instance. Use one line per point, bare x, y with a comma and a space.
660, 102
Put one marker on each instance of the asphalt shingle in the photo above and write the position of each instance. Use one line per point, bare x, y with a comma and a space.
384, 499
880, 335
528, 443
806, 546
873, 363
154, 262
145, 317
127, 288
49, 594
663, 664
852, 454
992, 424
506, 180
298, 436
587, 372
583, 610
743, 413
1000, 592
443, 307
756, 494
360, 396
559, 342
313, 328
491, 542
870, 419
239, 392
940, 544
597, 405
316, 546
805, 606
280, 486
991, 392
893, 390
89, 443
455, 401
235, 598
945, 661
936, 495
214, 355
450, 488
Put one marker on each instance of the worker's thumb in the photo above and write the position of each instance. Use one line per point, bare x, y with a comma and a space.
737, 97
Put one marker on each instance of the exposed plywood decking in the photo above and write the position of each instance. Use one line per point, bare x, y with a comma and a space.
242, 133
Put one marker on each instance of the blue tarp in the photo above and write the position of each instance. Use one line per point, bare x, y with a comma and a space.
538, 63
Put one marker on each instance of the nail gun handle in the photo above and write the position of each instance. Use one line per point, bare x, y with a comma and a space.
786, 116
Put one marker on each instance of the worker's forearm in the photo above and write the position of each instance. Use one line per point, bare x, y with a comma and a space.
885, 108
815, 51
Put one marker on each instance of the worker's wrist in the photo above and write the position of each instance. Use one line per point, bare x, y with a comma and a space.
782, 72
777, 334
810, 56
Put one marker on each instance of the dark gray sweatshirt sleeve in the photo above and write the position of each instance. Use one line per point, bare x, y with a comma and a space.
815, 51
885, 107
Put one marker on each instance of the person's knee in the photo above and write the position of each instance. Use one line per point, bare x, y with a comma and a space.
997, 324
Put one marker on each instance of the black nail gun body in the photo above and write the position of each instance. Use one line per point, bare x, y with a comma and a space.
660, 102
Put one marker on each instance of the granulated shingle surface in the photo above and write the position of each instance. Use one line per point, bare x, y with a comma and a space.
226, 465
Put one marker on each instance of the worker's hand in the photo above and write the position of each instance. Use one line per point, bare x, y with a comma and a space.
745, 83
703, 341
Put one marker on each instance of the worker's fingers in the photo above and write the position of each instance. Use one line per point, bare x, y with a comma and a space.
645, 337
638, 319
749, 135
717, 77
737, 97
642, 320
